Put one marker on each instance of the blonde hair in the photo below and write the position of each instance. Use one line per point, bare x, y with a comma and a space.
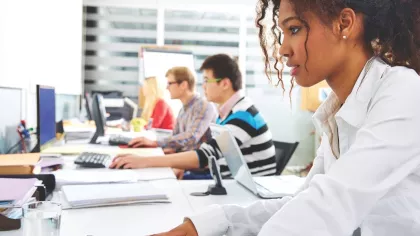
182, 73
154, 93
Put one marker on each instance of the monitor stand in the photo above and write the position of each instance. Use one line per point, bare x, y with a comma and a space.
94, 138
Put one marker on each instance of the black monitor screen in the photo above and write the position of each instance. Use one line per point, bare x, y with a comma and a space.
98, 113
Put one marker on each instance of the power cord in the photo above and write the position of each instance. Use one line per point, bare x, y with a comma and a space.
18, 143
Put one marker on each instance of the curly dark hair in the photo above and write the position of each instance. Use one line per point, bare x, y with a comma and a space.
392, 28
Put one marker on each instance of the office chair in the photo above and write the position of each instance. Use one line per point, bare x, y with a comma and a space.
284, 152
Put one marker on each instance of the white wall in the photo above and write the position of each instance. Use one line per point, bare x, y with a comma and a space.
41, 43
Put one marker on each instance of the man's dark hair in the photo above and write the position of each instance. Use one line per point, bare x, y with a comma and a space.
224, 66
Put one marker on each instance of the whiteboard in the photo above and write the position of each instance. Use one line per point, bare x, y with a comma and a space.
158, 62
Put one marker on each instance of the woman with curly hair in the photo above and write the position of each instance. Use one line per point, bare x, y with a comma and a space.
366, 175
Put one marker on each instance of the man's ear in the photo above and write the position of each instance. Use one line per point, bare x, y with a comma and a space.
184, 85
226, 83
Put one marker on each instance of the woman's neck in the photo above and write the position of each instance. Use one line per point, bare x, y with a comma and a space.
343, 81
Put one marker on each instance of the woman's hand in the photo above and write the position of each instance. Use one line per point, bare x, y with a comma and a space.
185, 229
129, 161
142, 142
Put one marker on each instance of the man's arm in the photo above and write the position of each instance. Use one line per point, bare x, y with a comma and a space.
203, 115
184, 160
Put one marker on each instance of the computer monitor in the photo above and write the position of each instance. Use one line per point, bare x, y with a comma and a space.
46, 126
99, 116
131, 107
88, 106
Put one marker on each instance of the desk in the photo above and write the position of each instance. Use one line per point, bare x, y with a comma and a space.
133, 219
236, 194
145, 219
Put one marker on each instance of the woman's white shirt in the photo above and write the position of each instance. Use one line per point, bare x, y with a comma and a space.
366, 173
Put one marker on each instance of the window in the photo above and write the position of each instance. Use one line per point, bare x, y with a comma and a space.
112, 40
203, 33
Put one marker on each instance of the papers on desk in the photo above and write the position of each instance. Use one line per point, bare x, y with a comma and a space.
285, 184
80, 196
154, 174
72, 177
112, 150
106, 176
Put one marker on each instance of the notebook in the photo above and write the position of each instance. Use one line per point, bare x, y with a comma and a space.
81, 196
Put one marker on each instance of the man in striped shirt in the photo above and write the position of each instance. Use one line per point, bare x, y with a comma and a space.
222, 85
193, 121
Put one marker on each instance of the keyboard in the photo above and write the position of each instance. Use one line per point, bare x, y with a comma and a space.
93, 160
116, 140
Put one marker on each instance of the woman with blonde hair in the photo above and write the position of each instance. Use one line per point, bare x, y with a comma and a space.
155, 109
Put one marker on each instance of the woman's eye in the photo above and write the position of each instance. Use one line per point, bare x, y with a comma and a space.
294, 30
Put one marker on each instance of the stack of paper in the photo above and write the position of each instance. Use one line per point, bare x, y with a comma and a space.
112, 150
14, 193
79, 196
88, 176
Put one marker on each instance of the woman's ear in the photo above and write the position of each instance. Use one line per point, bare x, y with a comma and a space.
347, 23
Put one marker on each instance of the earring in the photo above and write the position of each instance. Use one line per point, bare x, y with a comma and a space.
344, 37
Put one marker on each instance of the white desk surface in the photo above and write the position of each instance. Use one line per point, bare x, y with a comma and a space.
140, 219
145, 219
133, 219
236, 194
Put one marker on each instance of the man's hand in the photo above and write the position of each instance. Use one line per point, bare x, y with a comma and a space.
128, 161
178, 173
185, 229
142, 142
169, 151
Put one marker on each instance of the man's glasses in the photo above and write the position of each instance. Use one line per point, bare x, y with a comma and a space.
173, 82
212, 80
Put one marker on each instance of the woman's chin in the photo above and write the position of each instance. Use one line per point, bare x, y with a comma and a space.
305, 81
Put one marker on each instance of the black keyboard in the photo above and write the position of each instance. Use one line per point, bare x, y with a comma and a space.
116, 140
93, 160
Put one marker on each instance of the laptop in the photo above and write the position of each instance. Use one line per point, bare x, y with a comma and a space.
264, 187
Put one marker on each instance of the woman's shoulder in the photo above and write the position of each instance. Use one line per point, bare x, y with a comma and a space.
161, 102
400, 81
399, 88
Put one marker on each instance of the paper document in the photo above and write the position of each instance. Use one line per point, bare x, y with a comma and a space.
111, 150
89, 176
112, 194
287, 184
154, 174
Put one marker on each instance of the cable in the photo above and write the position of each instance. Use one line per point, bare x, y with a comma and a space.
17, 144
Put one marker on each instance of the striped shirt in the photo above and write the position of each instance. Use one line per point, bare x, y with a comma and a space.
252, 135
192, 125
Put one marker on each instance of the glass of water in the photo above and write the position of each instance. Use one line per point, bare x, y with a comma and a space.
41, 219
